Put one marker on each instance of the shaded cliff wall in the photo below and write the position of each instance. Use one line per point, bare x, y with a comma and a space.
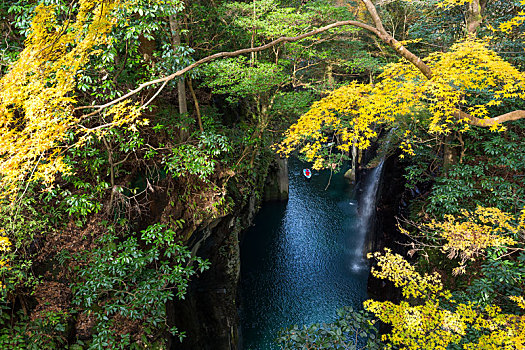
276, 184
209, 312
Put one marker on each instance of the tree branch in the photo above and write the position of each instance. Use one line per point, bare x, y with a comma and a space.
372, 11
229, 54
427, 72
507, 117
393, 43
378, 30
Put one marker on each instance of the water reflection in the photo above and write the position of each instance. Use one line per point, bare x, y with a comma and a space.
299, 260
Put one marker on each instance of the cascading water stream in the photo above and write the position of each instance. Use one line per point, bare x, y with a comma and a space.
367, 209
366, 213
302, 260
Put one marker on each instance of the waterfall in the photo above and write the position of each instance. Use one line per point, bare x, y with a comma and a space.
366, 214
367, 207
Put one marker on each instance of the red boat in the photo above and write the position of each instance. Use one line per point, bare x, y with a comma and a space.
307, 173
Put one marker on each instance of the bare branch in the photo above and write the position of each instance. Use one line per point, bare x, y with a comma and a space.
154, 96
393, 43
372, 11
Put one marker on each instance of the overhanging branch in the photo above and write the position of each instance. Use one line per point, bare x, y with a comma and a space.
207, 59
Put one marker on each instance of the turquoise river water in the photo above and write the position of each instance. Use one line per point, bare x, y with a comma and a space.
302, 259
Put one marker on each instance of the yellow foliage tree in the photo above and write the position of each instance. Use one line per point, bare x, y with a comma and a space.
443, 85
474, 233
353, 112
432, 319
37, 95
516, 21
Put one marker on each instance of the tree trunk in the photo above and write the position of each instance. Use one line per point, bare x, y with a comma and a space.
474, 16
449, 154
351, 173
196, 103
330, 75
181, 86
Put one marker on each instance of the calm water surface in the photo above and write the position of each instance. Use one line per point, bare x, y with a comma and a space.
302, 260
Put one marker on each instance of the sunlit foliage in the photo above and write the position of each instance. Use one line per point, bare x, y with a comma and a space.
5, 246
514, 22
37, 95
353, 112
446, 3
437, 320
471, 234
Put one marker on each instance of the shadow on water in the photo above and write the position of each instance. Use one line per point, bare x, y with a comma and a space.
301, 260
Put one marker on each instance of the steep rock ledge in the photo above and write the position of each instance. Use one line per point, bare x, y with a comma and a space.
276, 185
209, 313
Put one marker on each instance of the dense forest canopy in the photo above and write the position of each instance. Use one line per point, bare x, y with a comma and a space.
109, 108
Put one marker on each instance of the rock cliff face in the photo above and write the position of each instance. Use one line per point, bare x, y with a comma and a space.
209, 313
276, 185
